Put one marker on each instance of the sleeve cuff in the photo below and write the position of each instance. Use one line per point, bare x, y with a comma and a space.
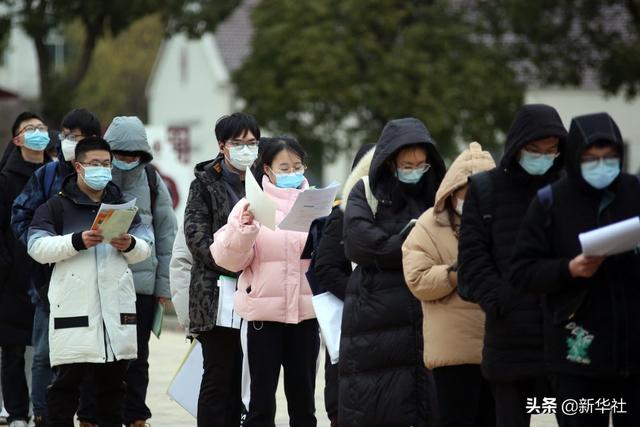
131, 246
77, 242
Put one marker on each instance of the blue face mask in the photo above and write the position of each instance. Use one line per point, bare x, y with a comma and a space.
601, 173
36, 140
289, 180
410, 176
536, 163
97, 177
124, 166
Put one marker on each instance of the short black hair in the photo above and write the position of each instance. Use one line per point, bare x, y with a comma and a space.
23, 117
82, 119
236, 125
269, 149
91, 143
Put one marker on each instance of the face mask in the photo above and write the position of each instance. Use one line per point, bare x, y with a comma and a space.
601, 173
96, 177
410, 176
243, 157
124, 166
459, 206
289, 180
536, 164
68, 149
36, 140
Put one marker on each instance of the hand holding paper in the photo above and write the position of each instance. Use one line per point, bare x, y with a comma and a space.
114, 220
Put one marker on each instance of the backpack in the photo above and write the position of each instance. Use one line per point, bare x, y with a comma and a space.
48, 178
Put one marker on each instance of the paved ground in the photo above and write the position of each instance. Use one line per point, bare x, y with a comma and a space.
166, 355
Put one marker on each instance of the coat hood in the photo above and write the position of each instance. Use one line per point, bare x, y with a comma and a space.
471, 161
360, 170
209, 170
533, 122
17, 165
584, 132
127, 133
397, 134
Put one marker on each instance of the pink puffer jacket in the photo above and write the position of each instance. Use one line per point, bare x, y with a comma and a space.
273, 285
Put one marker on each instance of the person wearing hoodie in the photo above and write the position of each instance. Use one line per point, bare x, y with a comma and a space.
383, 380
30, 138
273, 296
131, 169
332, 268
453, 328
91, 292
45, 183
217, 187
494, 206
590, 303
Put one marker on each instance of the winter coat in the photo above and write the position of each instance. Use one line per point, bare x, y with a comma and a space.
180, 277
591, 326
128, 136
91, 293
273, 285
207, 210
383, 380
513, 325
332, 268
16, 310
453, 328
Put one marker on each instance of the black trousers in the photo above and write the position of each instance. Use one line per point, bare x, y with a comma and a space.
295, 348
220, 400
64, 392
626, 389
331, 389
465, 398
511, 400
15, 391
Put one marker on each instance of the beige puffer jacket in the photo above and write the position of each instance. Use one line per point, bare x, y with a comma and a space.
453, 328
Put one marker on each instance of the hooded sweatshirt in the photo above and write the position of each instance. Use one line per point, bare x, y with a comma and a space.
127, 135
513, 336
591, 326
453, 328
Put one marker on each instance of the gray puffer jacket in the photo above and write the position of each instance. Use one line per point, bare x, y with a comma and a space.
151, 276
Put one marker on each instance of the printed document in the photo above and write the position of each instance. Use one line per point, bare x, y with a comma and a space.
612, 239
311, 204
114, 220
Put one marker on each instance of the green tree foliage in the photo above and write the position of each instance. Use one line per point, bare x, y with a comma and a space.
560, 40
333, 72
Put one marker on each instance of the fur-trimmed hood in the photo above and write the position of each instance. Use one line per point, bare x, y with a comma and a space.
357, 173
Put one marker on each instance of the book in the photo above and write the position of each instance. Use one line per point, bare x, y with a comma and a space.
114, 220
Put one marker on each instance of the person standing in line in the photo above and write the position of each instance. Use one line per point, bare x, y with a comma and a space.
453, 328
217, 187
30, 137
382, 377
494, 206
591, 319
273, 296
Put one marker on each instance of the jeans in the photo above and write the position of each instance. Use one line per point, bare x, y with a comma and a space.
15, 390
41, 373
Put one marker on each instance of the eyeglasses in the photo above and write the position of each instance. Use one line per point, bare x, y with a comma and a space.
593, 162
106, 164
537, 154
70, 136
32, 128
243, 143
295, 169
422, 168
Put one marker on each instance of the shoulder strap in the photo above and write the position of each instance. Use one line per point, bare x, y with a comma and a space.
545, 195
371, 199
49, 176
153, 183
484, 185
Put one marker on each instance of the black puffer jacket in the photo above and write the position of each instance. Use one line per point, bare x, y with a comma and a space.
591, 326
16, 310
513, 328
383, 380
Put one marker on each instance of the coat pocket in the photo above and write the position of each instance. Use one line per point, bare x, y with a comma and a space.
69, 295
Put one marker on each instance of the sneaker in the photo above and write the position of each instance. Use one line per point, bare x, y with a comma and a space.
39, 421
140, 423
18, 423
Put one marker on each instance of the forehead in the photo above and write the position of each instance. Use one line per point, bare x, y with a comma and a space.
74, 131
412, 155
545, 143
286, 157
32, 122
594, 151
99, 155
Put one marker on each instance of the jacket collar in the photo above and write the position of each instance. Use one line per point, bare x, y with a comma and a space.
284, 197
71, 191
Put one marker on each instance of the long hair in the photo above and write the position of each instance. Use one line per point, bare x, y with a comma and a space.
269, 148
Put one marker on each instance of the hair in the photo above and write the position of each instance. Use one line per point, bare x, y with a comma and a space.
91, 143
269, 148
236, 125
82, 119
23, 117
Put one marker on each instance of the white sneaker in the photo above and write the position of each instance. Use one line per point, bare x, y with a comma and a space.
19, 423
4, 413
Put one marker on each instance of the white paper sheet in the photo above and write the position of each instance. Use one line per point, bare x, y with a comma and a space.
262, 207
114, 220
311, 204
612, 239
226, 316
328, 309
185, 386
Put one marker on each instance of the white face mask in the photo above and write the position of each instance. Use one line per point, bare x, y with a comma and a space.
68, 149
459, 206
243, 157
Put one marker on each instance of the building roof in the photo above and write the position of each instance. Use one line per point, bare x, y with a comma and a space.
233, 35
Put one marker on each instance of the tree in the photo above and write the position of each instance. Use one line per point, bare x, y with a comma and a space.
333, 72
566, 42
40, 18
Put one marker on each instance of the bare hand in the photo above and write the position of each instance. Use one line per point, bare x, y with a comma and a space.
91, 238
247, 217
453, 279
122, 242
161, 300
585, 266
